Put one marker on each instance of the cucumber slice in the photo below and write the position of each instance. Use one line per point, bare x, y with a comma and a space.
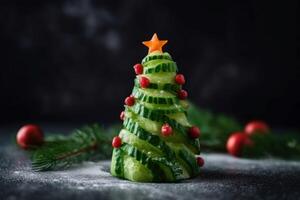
186, 157
135, 171
171, 170
190, 160
161, 78
139, 143
116, 168
170, 87
142, 96
155, 112
155, 93
153, 140
162, 67
180, 118
156, 56
147, 124
164, 108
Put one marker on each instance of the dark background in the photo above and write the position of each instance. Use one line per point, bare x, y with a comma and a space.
71, 61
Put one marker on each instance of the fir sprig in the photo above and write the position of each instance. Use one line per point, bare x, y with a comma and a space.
58, 152
280, 145
215, 128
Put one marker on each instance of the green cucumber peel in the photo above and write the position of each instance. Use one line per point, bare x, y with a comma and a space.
154, 140
142, 96
170, 87
153, 163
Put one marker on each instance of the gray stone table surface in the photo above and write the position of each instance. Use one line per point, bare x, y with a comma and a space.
222, 177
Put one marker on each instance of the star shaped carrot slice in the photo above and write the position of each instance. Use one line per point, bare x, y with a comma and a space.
155, 44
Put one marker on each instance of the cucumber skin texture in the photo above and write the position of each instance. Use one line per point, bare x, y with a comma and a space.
170, 87
137, 93
180, 135
154, 140
155, 164
162, 67
146, 156
135, 171
117, 163
164, 56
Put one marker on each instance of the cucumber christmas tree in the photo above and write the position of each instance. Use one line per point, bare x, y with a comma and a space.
157, 143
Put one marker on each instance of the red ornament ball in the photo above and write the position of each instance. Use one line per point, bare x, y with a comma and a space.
194, 132
166, 130
182, 94
200, 161
236, 142
122, 115
256, 126
30, 135
129, 101
179, 79
138, 68
116, 142
144, 82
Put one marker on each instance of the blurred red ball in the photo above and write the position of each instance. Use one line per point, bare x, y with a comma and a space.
29, 136
256, 127
194, 132
236, 142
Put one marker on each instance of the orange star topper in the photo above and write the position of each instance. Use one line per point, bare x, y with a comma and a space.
155, 44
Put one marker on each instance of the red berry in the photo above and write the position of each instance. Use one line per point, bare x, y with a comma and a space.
256, 127
179, 78
194, 132
138, 68
129, 101
236, 142
182, 94
166, 130
200, 161
116, 142
144, 82
122, 115
29, 136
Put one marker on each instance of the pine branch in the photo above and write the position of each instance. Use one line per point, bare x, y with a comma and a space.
59, 152
215, 128
284, 146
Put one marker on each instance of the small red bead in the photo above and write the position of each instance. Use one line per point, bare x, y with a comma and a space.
194, 132
138, 68
122, 115
116, 142
166, 130
179, 78
129, 101
182, 94
200, 161
144, 82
